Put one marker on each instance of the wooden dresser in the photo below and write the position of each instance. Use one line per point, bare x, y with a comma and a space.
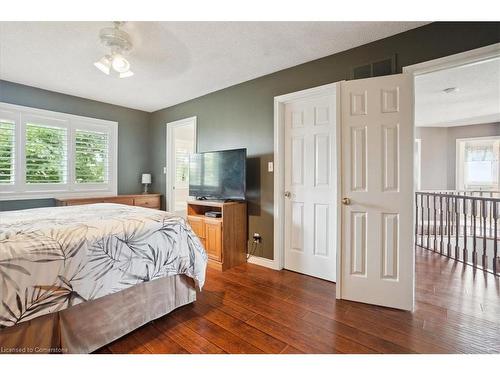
224, 238
141, 200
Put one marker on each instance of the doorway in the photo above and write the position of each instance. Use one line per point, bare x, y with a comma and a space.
181, 143
370, 227
457, 123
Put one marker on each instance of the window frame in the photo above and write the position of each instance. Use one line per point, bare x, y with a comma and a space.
8, 117
112, 170
50, 122
460, 168
20, 116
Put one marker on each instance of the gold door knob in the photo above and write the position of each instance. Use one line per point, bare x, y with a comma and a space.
346, 201
288, 194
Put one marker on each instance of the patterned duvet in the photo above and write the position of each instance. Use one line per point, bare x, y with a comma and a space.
57, 257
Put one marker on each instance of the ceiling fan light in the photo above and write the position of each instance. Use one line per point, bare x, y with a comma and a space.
126, 74
103, 65
120, 63
118, 41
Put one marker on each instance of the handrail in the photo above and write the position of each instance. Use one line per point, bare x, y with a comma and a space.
472, 197
460, 191
467, 224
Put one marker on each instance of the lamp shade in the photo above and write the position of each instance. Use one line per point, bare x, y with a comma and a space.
146, 178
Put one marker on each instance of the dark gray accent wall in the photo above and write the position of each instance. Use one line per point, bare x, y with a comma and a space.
133, 133
242, 115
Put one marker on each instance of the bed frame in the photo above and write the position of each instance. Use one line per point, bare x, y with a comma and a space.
88, 326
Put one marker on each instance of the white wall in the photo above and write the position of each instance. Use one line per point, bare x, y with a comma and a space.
438, 156
434, 157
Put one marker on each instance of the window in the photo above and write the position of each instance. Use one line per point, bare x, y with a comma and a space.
7, 155
478, 163
46, 150
47, 154
91, 155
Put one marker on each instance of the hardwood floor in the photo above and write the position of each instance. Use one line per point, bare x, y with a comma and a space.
251, 309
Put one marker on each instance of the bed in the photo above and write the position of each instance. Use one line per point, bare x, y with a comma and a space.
76, 278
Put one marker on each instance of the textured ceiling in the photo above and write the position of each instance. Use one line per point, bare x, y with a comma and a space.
172, 61
476, 101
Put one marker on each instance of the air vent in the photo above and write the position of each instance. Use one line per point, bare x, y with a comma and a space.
375, 69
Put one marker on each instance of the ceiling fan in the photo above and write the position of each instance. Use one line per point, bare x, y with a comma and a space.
119, 42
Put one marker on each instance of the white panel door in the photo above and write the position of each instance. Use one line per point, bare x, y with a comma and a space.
377, 179
310, 185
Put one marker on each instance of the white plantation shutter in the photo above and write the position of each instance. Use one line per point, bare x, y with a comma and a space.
182, 165
7, 152
46, 154
92, 162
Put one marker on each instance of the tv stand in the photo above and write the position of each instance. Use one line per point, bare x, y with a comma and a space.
216, 200
225, 237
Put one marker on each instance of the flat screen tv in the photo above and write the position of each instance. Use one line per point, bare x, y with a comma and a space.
218, 175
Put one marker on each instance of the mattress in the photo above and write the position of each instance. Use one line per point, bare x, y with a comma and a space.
52, 259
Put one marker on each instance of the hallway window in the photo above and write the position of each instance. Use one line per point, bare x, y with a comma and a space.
478, 163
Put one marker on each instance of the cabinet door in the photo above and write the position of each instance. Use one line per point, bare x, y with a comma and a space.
78, 202
120, 200
213, 239
198, 226
148, 202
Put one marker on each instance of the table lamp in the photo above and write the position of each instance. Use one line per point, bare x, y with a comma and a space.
146, 180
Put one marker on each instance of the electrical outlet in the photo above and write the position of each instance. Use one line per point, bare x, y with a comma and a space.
257, 238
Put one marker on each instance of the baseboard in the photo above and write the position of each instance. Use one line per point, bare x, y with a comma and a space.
264, 262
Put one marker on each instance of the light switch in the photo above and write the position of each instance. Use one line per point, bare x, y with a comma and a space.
270, 166
164, 170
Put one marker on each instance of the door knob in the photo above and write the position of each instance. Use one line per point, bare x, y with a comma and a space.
288, 194
346, 201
